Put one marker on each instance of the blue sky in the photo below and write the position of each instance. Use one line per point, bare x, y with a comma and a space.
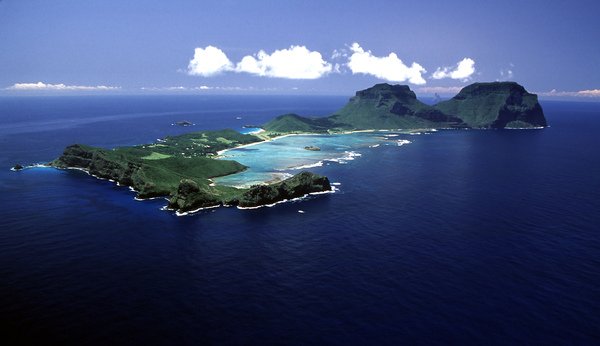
305, 47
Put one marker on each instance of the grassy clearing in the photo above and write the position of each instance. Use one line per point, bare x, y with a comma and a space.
156, 156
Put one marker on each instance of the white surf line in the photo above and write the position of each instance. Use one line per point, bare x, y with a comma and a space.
221, 152
185, 213
308, 165
86, 171
256, 132
35, 165
333, 190
297, 199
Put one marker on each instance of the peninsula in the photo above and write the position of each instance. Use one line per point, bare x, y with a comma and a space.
181, 167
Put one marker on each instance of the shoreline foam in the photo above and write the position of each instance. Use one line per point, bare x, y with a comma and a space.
297, 199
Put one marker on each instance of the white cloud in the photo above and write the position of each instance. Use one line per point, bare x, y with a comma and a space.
507, 74
177, 88
389, 68
208, 62
580, 93
297, 62
589, 93
203, 88
337, 68
439, 90
58, 87
463, 70
337, 54
170, 88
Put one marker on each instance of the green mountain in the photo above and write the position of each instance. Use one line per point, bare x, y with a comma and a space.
296, 123
385, 106
495, 105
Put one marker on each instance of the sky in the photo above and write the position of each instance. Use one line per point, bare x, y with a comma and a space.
297, 47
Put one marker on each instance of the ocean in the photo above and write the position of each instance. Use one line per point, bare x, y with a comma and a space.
458, 237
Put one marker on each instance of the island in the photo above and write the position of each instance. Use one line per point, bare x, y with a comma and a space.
181, 168
496, 105
184, 123
312, 148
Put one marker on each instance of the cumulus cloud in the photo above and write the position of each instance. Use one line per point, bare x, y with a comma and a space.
297, 62
463, 70
439, 90
58, 87
208, 62
389, 68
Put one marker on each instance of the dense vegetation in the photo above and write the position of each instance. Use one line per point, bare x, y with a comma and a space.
495, 105
178, 166
156, 169
197, 144
384, 106
191, 196
289, 123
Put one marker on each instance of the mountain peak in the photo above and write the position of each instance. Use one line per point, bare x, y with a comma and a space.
492, 88
386, 90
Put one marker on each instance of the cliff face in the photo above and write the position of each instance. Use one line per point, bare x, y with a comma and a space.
105, 164
150, 178
495, 105
384, 106
191, 196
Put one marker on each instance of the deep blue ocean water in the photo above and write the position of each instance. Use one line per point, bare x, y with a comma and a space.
463, 237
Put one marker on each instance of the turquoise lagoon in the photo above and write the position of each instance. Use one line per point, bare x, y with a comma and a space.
282, 157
